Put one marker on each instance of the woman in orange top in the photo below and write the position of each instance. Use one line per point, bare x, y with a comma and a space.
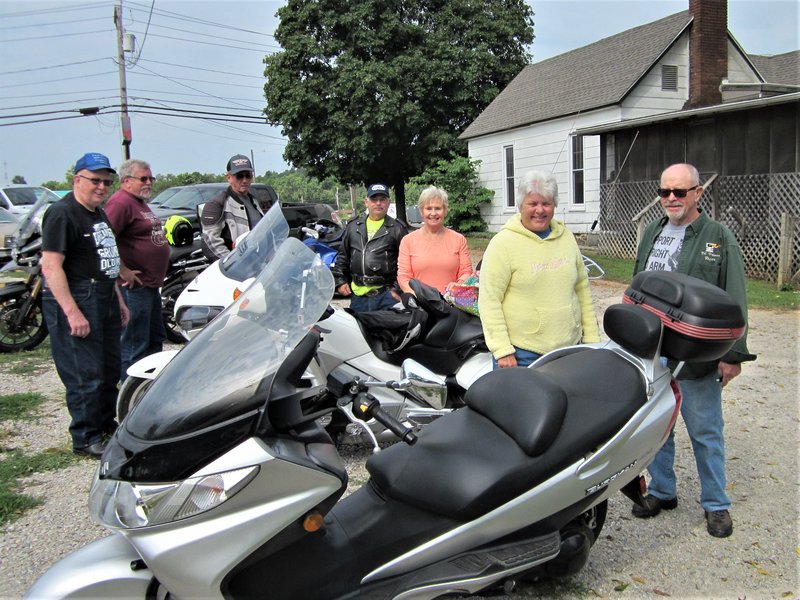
433, 254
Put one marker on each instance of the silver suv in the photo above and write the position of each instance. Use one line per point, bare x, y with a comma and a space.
18, 199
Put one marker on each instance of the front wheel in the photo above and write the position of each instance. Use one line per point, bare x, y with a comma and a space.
25, 335
130, 394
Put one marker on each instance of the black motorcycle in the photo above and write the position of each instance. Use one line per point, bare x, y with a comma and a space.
22, 325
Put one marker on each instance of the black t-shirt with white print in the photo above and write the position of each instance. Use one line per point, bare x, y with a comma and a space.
84, 237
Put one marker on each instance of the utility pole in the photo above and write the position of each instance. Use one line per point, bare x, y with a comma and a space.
125, 120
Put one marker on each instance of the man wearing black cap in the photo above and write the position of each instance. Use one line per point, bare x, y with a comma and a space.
82, 304
366, 265
232, 212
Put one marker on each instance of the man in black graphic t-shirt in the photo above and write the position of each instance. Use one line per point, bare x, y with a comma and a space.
82, 305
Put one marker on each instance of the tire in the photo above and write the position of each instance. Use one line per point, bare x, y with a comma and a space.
130, 394
27, 336
169, 296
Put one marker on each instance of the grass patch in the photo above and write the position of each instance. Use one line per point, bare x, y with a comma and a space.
31, 362
14, 465
19, 406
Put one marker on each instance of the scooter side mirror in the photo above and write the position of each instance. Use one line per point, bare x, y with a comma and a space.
423, 383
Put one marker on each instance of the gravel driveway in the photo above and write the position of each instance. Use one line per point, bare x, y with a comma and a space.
668, 556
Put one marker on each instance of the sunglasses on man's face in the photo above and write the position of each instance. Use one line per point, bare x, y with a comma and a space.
244, 175
144, 179
677, 192
95, 181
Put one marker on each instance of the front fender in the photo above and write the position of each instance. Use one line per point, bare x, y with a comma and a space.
150, 366
101, 569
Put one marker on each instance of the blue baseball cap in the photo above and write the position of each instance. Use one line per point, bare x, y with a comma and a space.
377, 189
93, 161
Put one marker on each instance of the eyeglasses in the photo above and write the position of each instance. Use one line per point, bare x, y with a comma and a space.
678, 192
97, 180
143, 178
244, 175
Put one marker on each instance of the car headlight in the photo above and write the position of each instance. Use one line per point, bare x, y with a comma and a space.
124, 505
192, 319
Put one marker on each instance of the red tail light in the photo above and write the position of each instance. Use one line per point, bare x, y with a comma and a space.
676, 390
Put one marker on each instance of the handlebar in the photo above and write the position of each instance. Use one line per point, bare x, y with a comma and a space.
367, 407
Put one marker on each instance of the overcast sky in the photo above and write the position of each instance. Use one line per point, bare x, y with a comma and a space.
207, 56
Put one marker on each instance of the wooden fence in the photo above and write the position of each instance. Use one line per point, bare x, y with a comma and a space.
752, 206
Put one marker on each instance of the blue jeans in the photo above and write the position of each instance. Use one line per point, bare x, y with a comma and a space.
88, 367
702, 413
381, 301
145, 333
524, 357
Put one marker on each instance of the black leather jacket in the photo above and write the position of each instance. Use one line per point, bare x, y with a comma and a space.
372, 262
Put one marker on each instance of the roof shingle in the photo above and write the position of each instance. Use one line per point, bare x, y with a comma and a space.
583, 79
780, 68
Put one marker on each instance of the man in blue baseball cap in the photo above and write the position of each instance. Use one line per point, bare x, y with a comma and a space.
82, 304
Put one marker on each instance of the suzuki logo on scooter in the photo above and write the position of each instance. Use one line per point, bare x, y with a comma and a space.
607, 480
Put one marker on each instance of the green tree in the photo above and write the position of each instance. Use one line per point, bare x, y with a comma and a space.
459, 177
57, 185
378, 90
18, 179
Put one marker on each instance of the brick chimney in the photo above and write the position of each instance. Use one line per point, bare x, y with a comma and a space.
708, 51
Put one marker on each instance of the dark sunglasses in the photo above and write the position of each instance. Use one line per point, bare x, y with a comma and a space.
678, 192
97, 180
143, 178
244, 175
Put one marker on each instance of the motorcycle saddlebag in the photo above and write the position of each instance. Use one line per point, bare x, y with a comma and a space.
701, 321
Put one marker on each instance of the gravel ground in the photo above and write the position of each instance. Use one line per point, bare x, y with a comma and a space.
670, 555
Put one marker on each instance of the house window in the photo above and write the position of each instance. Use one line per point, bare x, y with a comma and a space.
508, 162
669, 78
577, 169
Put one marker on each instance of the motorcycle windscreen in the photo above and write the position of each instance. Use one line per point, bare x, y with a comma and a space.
258, 247
227, 369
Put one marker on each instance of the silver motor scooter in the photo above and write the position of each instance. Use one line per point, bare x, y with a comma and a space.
232, 488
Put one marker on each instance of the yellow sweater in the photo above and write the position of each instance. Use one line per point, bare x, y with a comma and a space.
534, 293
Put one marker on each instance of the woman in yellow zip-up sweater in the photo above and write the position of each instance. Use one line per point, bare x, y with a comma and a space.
534, 291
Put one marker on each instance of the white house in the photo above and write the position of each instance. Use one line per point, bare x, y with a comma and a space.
676, 63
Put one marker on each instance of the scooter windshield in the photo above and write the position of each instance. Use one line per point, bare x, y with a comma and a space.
258, 247
226, 371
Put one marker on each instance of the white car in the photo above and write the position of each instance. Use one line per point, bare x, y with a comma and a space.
19, 199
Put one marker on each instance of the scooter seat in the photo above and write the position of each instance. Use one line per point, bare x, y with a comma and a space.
520, 427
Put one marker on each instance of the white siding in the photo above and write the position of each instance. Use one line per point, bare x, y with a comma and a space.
739, 70
544, 146
647, 98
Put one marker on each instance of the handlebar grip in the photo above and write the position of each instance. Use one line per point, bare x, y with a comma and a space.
368, 407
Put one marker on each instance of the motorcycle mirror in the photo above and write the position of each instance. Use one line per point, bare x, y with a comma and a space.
199, 210
423, 383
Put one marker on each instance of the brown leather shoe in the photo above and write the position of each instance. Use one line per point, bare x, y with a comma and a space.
652, 506
719, 523
92, 451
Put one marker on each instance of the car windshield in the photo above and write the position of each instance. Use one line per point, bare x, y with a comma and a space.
163, 196
190, 197
227, 370
28, 196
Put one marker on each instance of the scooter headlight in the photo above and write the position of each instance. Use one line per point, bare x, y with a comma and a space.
124, 505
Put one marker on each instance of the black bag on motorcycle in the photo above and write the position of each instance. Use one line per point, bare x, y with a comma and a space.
701, 321
395, 328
